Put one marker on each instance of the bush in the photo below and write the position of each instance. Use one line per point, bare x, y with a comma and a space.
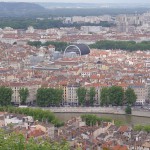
145, 128
138, 128
128, 110
91, 120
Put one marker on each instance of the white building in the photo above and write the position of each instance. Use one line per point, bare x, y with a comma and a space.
141, 91
10, 119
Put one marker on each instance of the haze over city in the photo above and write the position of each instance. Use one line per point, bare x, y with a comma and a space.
82, 1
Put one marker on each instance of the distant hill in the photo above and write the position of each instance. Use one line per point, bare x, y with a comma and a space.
55, 5
20, 9
45, 10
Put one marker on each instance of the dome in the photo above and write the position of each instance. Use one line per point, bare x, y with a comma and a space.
79, 49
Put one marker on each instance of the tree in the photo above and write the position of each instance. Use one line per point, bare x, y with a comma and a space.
15, 141
138, 128
116, 95
41, 97
128, 110
148, 97
59, 46
23, 94
123, 45
48, 96
104, 97
58, 96
92, 93
5, 96
130, 96
35, 43
91, 119
147, 128
81, 93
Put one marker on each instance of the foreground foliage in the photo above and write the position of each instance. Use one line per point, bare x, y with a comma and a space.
18, 142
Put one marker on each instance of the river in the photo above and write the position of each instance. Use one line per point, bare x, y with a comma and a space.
130, 120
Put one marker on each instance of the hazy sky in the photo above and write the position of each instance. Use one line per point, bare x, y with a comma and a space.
82, 1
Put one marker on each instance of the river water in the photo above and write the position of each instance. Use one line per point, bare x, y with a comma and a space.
130, 120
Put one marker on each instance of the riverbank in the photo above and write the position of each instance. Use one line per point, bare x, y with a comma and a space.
98, 110
125, 119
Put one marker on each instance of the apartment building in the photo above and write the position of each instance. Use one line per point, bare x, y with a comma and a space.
70, 94
141, 91
17, 86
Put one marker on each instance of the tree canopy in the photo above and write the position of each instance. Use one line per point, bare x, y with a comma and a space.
19, 23
5, 95
128, 110
23, 94
104, 97
81, 93
130, 96
116, 95
15, 141
145, 128
91, 93
123, 45
92, 120
59, 46
48, 96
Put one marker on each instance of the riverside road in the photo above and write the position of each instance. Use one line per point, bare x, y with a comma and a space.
105, 110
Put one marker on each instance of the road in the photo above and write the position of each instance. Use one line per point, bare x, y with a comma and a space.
106, 110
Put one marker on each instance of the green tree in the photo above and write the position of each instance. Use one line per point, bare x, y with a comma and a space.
58, 96
116, 95
23, 94
104, 97
91, 93
5, 96
146, 128
48, 96
138, 128
81, 93
35, 43
92, 120
59, 46
15, 141
130, 96
41, 97
128, 110
123, 45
